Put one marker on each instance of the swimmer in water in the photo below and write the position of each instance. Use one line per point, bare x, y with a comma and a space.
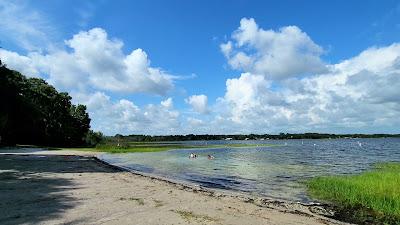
210, 157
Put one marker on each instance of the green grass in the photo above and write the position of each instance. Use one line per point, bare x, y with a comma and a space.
132, 147
372, 197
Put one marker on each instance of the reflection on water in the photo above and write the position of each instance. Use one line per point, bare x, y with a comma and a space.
264, 171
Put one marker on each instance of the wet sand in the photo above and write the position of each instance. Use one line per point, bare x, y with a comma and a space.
54, 189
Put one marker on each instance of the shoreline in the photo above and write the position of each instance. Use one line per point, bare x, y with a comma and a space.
311, 209
196, 187
314, 211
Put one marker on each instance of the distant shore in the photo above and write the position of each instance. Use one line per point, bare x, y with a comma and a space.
50, 187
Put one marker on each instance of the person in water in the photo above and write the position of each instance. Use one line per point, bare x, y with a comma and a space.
192, 156
210, 157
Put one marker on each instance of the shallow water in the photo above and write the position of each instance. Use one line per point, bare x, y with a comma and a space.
276, 172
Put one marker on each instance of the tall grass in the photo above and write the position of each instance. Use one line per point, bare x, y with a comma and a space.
374, 196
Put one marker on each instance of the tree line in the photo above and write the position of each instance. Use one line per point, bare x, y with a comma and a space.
35, 113
201, 137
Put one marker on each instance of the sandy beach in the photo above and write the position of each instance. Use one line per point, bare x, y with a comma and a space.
47, 188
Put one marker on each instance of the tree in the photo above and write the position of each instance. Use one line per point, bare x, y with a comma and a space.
94, 138
34, 112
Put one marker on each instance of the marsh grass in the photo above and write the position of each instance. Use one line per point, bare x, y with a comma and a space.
132, 147
372, 197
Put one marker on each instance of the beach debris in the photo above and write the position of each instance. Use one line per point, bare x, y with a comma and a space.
189, 215
323, 211
140, 201
158, 203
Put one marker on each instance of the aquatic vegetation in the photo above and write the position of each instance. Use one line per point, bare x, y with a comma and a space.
158, 147
372, 197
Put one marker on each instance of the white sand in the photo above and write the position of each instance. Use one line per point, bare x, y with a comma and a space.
81, 190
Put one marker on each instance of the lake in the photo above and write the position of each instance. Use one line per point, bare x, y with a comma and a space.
277, 172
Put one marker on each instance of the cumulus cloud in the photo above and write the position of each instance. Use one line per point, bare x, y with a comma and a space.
21, 63
283, 85
250, 99
92, 67
198, 103
95, 61
287, 52
124, 117
357, 94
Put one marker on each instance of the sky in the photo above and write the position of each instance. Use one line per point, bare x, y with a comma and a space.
214, 67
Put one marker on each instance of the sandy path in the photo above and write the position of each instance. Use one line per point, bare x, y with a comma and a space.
80, 190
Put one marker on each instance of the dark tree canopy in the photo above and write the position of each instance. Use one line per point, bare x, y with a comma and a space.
34, 112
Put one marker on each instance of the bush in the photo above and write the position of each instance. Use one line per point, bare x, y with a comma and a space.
93, 138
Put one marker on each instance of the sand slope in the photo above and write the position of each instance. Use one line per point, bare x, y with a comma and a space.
80, 190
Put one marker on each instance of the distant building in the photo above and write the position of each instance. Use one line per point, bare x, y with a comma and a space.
228, 139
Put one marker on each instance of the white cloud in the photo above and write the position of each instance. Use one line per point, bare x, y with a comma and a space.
226, 48
23, 64
194, 122
281, 54
359, 94
24, 26
251, 106
198, 103
91, 68
124, 117
94, 61
167, 103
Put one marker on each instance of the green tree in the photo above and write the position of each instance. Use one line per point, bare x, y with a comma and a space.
34, 112
94, 138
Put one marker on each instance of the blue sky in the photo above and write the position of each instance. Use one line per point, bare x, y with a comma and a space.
183, 40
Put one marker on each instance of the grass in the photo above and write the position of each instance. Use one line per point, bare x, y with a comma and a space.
372, 197
132, 147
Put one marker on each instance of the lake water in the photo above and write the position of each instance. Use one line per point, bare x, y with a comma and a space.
276, 172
